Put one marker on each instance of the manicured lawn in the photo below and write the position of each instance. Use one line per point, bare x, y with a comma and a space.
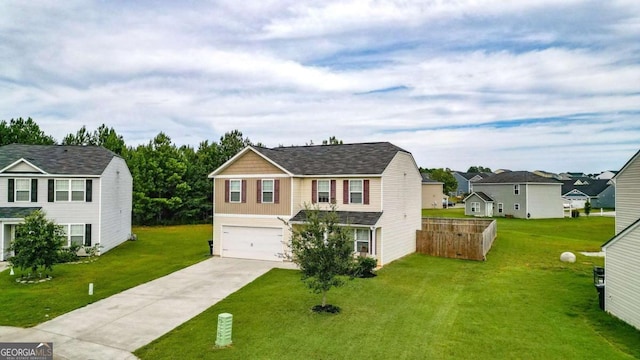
521, 303
157, 252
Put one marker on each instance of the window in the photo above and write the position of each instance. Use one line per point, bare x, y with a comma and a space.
79, 234
23, 189
355, 191
362, 241
235, 191
516, 189
324, 190
475, 207
267, 191
70, 190
516, 206
500, 208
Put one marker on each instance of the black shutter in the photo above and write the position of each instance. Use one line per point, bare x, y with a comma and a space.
89, 186
87, 235
50, 190
34, 190
11, 193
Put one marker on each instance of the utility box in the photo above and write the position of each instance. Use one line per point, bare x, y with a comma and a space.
225, 324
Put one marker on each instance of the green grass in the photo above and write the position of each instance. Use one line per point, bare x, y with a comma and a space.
157, 252
522, 303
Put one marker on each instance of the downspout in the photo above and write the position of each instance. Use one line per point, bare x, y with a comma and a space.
526, 201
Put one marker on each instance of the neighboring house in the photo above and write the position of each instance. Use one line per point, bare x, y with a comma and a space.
432, 193
572, 175
547, 174
607, 175
621, 262
465, 181
375, 188
86, 189
520, 194
480, 204
600, 193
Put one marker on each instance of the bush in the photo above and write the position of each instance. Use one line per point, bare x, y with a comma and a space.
68, 254
575, 213
364, 267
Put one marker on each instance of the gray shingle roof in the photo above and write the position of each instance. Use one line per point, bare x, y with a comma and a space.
427, 180
346, 217
59, 159
593, 188
484, 196
517, 177
343, 159
470, 175
16, 212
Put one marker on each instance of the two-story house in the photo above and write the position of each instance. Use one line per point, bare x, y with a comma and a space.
519, 194
466, 180
622, 252
375, 187
600, 193
85, 189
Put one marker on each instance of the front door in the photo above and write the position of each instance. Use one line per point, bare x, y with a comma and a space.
490, 209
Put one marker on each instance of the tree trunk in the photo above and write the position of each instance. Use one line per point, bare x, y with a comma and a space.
324, 298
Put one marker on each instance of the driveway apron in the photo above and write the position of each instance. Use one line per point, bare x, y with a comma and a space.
114, 327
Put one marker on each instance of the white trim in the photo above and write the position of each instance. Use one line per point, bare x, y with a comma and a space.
252, 176
500, 208
317, 199
239, 192
253, 216
70, 191
341, 176
241, 153
361, 192
273, 191
15, 190
49, 176
19, 161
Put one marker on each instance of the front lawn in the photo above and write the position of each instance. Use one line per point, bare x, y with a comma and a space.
521, 303
157, 252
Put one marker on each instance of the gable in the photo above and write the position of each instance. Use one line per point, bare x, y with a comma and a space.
250, 163
22, 166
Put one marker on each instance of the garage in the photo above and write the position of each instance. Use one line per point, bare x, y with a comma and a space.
246, 242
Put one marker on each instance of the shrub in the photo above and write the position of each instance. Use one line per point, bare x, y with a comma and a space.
364, 267
68, 254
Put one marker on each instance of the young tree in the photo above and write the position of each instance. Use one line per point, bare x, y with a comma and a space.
323, 250
587, 207
37, 243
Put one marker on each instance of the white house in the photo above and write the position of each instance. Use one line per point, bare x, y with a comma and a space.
622, 259
86, 189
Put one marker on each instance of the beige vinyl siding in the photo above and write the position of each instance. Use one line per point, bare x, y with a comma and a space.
375, 199
544, 200
622, 289
628, 195
22, 167
116, 202
251, 163
252, 206
432, 195
401, 217
220, 220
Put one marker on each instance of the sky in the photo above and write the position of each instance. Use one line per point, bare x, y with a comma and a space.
520, 85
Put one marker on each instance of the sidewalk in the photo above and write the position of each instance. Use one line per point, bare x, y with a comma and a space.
114, 327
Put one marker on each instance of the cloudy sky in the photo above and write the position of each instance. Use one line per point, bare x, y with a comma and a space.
523, 85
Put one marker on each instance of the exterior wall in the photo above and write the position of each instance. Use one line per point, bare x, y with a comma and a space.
622, 277
482, 211
251, 163
401, 217
305, 198
606, 199
544, 201
463, 184
220, 220
503, 193
432, 195
283, 207
116, 203
628, 195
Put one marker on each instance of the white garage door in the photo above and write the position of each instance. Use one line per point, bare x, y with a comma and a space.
260, 243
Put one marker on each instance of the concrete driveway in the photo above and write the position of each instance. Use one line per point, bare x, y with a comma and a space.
114, 327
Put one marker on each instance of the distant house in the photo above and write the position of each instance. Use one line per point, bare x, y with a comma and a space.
572, 175
466, 179
607, 175
547, 174
600, 193
622, 265
86, 189
519, 194
432, 193
375, 188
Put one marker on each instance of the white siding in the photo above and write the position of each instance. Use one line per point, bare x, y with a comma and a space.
401, 207
115, 199
628, 195
622, 276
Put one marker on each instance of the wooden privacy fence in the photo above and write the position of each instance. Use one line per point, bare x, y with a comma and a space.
469, 239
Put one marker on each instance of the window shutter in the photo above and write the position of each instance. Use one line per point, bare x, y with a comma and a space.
34, 190
11, 192
50, 190
333, 191
365, 192
244, 191
276, 191
259, 191
88, 188
345, 192
226, 191
314, 191
87, 235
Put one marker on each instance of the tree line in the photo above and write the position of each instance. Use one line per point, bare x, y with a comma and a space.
170, 184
